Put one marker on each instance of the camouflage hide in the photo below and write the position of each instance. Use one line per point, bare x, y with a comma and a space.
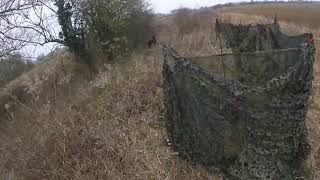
244, 113
250, 38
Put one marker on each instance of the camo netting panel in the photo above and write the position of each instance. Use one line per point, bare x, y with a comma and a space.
251, 69
243, 113
251, 38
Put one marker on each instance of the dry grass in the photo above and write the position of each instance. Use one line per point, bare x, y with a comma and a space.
197, 41
314, 118
111, 126
190, 21
117, 133
306, 14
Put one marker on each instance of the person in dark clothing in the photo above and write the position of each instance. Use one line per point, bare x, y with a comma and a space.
152, 42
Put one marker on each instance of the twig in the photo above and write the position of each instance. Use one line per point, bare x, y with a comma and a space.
22, 104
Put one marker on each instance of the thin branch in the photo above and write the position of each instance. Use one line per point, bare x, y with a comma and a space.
24, 22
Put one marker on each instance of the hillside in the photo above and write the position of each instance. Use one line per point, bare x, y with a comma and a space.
306, 14
110, 126
60, 122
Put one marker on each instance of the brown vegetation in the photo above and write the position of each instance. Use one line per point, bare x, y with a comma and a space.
306, 14
74, 126
80, 131
188, 20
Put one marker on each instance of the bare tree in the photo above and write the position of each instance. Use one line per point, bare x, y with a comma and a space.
24, 22
79, 25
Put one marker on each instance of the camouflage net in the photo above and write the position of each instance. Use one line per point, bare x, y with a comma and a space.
257, 38
244, 113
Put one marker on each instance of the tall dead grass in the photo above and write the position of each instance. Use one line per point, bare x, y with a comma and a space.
117, 134
197, 37
290, 28
305, 14
112, 126
189, 21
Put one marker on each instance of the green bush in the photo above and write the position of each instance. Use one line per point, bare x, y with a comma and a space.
89, 23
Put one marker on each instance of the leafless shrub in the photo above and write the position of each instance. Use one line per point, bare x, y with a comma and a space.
25, 22
186, 20
12, 66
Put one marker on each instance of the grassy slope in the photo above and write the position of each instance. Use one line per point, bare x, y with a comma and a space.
114, 132
306, 14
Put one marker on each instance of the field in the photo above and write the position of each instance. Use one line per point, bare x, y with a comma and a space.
60, 122
306, 14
